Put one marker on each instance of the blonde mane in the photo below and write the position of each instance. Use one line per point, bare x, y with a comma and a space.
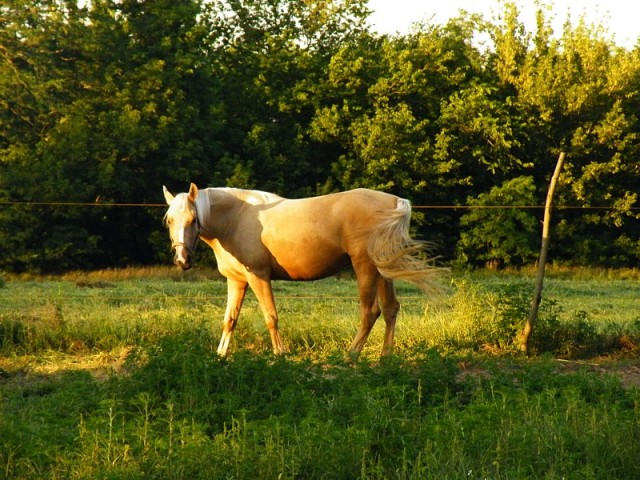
209, 198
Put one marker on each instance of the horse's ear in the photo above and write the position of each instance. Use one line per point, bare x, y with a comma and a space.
193, 192
167, 195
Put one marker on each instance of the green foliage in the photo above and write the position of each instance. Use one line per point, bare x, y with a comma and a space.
70, 408
574, 337
499, 236
105, 101
122, 109
271, 57
183, 412
491, 318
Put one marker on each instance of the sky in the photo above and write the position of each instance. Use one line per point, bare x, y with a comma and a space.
620, 17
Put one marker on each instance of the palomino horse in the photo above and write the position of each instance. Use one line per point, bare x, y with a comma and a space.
258, 237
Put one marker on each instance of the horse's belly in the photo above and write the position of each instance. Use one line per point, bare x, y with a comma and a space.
308, 267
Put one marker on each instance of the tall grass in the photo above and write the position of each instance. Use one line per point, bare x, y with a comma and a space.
456, 401
576, 318
184, 413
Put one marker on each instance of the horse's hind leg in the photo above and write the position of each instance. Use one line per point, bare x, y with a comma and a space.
235, 296
369, 310
390, 308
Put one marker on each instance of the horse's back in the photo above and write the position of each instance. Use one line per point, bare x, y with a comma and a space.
360, 202
333, 213
318, 236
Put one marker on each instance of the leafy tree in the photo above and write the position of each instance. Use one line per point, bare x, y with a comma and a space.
386, 121
272, 55
388, 98
498, 236
576, 92
106, 102
112, 103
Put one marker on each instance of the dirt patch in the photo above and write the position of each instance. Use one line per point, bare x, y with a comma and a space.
627, 370
630, 377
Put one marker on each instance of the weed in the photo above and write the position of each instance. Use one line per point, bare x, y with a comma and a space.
439, 408
492, 318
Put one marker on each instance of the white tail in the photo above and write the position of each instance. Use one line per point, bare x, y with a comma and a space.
397, 255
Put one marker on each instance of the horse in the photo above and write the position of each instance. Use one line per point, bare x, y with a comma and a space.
258, 237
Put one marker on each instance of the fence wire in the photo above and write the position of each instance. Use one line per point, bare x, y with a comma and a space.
415, 207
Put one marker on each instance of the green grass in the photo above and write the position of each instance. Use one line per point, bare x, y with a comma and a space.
113, 375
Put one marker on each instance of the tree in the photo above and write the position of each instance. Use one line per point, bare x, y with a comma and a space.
383, 113
272, 56
113, 100
106, 102
578, 93
386, 102
499, 229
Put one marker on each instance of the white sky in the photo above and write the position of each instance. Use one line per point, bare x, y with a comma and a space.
620, 17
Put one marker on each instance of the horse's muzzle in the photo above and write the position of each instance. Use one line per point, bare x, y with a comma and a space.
183, 258
183, 264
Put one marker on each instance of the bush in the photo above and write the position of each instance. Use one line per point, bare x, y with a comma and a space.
504, 236
492, 320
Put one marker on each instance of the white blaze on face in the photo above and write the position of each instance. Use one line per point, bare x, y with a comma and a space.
181, 257
183, 229
181, 251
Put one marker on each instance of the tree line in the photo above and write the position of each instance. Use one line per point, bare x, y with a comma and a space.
105, 101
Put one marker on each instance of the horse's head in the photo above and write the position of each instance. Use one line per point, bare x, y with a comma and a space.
183, 224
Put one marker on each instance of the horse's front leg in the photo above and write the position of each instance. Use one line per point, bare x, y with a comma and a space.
235, 296
262, 288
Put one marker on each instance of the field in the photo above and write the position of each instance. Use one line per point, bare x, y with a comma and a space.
113, 375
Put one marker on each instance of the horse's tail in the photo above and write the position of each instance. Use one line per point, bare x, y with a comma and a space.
397, 255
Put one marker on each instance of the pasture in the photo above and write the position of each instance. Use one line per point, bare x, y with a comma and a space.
114, 375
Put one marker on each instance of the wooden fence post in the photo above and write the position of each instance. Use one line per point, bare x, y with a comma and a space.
542, 261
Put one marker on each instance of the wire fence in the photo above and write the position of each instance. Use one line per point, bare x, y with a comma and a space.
82, 204
329, 297
415, 207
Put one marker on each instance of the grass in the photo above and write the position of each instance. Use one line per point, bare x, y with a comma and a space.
112, 375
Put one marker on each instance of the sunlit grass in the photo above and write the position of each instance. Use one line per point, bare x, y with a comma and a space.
316, 318
114, 375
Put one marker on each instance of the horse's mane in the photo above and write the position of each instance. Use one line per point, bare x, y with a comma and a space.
209, 198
